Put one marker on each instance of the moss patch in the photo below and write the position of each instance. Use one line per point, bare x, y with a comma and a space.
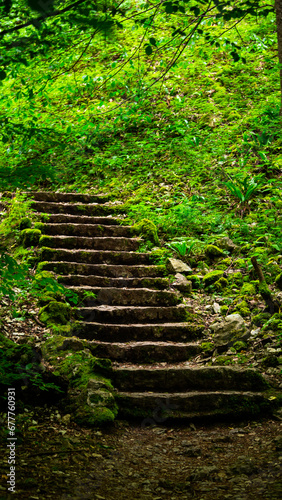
211, 278
55, 312
148, 230
30, 237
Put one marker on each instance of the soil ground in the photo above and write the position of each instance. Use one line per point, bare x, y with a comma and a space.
56, 459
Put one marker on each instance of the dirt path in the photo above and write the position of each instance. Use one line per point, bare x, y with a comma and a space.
55, 459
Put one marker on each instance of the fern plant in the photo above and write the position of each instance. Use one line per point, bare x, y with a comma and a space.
244, 189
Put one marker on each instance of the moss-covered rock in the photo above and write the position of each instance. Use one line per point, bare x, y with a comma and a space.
248, 289
207, 347
55, 312
239, 346
261, 318
147, 229
210, 278
274, 323
213, 252
235, 278
221, 284
224, 264
30, 237
91, 396
278, 281
25, 223
223, 310
47, 241
242, 308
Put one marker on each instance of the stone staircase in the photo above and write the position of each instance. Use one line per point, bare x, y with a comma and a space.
136, 319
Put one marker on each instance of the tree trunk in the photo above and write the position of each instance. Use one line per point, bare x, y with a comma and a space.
278, 10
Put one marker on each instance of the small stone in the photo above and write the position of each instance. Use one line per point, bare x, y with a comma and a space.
216, 308
177, 266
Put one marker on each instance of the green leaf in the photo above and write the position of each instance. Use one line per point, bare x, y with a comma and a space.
148, 50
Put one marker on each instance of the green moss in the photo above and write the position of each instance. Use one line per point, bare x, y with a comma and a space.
196, 281
239, 345
261, 318
236, 278
211, 278
243, 308
220, 284
214, 252
278, 281
39, 225
223, 310
47, 241
30, 237
25, 223
147, 229
207, 346
240, 263
55, 312
264, 290
248, 289
274, 323
223, 360
224, 264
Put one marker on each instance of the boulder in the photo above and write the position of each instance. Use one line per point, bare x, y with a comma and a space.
226, 244
177, 266
182, 284
229, 330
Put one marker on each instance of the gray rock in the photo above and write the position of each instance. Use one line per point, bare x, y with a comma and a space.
229, 330
226, 243
177, 266
98, 394
216, 308
182, 284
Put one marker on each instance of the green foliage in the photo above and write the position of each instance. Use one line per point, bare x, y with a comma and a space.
244, 189
20, 364
182, 247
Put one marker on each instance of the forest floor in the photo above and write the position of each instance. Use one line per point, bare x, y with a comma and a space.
57, 459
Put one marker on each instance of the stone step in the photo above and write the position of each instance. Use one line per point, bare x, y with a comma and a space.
159, 407
95, 256
104, 281
70, 229
184, 379
88, 209
105, 270
99, 243
181, 332
49, 196
127, 296
132, 314
145, 352
79, 219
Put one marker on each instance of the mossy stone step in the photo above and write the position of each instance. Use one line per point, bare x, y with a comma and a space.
50, 196
72, 229
104, 281
76, 208
95, 256
132, 314
179, 379
79, 219
184, 332
145, 352
158, 407
108, 270
98, 243
127, 296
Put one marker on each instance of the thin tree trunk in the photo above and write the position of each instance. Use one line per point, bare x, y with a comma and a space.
278, 10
